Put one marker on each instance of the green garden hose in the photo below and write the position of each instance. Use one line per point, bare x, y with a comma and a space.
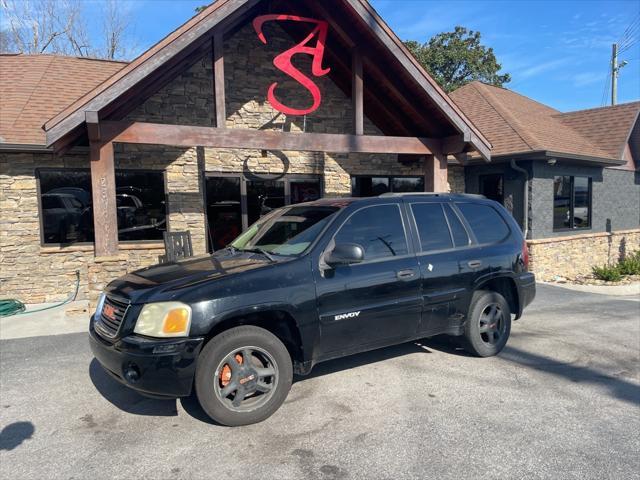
11, 306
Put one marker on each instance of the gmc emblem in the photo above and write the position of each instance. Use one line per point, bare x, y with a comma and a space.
109, 312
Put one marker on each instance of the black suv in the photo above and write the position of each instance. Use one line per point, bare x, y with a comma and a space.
312, 282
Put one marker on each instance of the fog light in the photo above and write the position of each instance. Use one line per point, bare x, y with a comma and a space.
132, 373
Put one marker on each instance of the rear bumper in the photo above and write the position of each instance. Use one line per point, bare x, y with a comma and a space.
526, 283
158, 368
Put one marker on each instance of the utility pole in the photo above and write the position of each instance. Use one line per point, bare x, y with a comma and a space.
614, 74
615, 69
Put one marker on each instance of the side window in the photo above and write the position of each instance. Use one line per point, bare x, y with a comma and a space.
433, 229
378, 230
486, 223
460, 236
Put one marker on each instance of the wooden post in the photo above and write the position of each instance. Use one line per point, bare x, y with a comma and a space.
357, 93
218, 80
103, 185
435, 173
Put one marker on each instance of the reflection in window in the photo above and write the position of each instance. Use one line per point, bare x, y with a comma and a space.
486, 223
141, 204
67, 205
373, 186
433, 229
379, 239
571, 202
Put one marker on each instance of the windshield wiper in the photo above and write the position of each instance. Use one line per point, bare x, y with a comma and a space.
261, 251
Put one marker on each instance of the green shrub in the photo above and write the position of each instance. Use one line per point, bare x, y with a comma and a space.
630, 265
608, 273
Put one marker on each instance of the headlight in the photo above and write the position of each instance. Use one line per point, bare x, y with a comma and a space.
100, 304
164, 319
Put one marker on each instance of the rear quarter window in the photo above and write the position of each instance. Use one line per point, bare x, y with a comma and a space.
486, 223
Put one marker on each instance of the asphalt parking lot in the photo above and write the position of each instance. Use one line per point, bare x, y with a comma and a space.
561, 401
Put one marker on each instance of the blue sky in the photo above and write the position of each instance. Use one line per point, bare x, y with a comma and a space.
557, 52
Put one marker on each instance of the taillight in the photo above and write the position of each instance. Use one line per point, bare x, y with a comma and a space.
525, 255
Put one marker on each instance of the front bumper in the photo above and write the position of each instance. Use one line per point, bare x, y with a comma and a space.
154, 367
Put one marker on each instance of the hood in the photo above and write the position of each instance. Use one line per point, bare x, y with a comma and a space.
167, 279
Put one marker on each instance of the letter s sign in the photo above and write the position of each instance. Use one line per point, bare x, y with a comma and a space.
283, 61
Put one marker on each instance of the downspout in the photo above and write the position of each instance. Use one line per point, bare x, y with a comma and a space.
525, 221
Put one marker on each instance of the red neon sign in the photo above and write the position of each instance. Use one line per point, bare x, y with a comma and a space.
283, 61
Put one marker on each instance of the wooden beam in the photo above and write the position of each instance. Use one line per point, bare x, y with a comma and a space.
188, 136
93, 125
357, 92
455, 144
218, 80
103, 185
435, 172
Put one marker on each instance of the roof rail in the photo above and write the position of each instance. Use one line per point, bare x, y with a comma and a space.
431, 194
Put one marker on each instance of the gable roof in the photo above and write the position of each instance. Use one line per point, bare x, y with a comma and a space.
151, 62
516, 124
35, 87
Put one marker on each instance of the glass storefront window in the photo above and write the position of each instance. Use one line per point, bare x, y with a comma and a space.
372, 186
235, 202
66, 205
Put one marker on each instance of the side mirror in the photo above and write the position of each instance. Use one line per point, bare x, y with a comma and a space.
344, 254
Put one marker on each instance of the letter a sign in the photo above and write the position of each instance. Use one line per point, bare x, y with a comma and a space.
283, 61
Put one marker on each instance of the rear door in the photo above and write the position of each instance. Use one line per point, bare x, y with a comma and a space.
443, 241
375, 302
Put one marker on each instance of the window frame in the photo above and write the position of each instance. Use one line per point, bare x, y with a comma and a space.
407, 235
43, 244
388, 177
286, 178
572, 204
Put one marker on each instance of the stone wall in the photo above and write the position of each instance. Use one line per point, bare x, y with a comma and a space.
574, 256
249, 72
34, 273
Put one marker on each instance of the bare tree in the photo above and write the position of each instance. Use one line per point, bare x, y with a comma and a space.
116, 30
61, 27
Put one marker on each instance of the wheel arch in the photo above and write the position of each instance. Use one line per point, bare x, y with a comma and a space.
505, 286
276, 319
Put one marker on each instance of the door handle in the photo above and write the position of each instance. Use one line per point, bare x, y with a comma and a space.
406, 274
474, 263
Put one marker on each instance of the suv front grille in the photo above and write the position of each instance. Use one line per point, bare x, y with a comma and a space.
110, 319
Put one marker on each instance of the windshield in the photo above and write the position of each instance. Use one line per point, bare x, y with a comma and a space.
287, 231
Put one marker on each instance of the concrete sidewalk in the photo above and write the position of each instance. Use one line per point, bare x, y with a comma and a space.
64, 319
630, 290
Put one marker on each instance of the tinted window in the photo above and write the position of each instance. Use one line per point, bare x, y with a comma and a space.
432, 226
378, 230
374, 186
486, 223
141, 202
460, 236
571, 202
67, 205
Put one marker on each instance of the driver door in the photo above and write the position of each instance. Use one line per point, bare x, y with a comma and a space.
376, 302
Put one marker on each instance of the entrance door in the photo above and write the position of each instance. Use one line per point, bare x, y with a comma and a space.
492, 187
234, 202
376, 302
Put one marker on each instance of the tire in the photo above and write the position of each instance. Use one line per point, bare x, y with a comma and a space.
224, 359
489, 324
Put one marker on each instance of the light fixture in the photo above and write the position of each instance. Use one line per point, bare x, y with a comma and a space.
552, 161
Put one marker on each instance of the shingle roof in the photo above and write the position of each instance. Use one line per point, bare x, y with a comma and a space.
516, 124
33, 88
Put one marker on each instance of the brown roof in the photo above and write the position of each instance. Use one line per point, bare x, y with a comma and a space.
36, 87
608, 127
516, 124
